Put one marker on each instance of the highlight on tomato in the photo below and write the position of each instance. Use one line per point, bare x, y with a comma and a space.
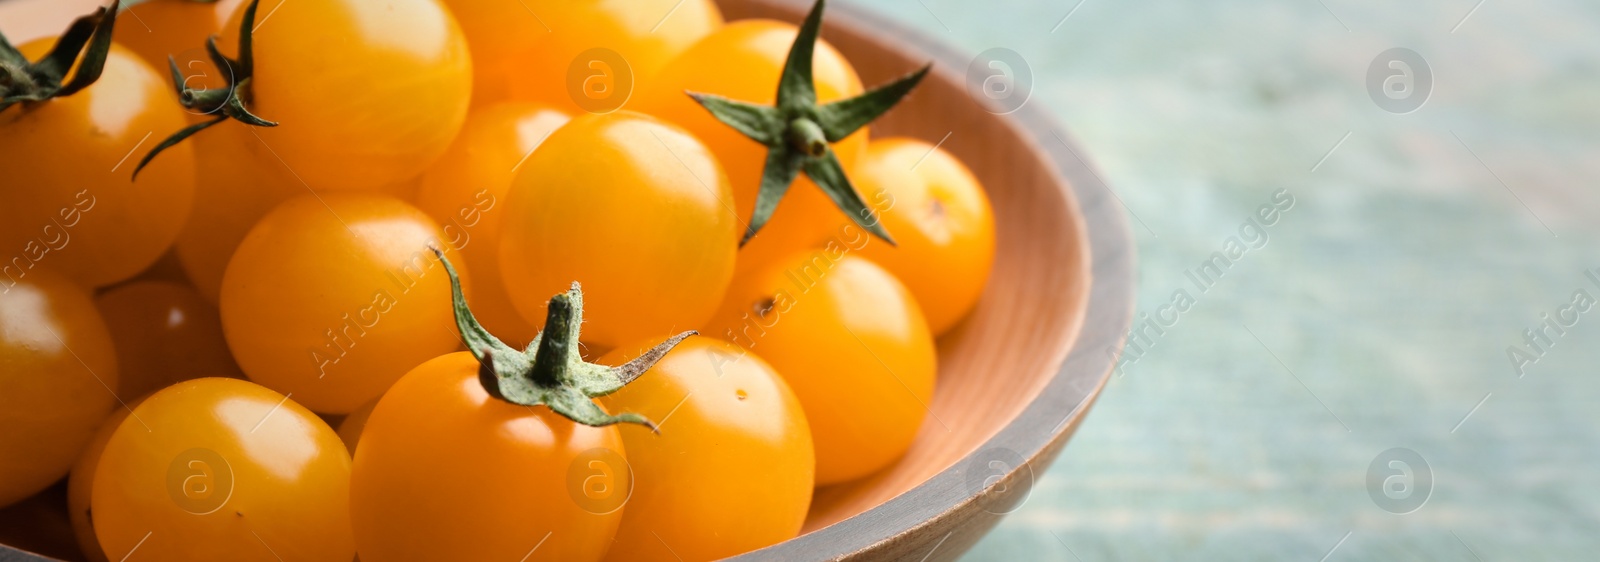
850, 341
731, 469
333, 297
389, 96
222, 469
813, 124
524, 422
58, 381
68, 139
944, 228
636, 210
466, 189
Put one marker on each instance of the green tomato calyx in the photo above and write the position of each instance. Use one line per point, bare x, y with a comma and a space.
88, 37
224, 103
797, 131
551, 371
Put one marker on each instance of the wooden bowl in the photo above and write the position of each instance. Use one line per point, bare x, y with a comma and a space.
1018, 376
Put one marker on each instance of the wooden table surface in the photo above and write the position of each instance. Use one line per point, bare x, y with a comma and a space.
1378, 311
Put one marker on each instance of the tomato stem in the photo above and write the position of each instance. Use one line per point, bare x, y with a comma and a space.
806, 136
551, 372
797, 131
86, 43
227, 102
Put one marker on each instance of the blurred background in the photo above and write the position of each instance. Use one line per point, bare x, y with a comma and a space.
1380, 310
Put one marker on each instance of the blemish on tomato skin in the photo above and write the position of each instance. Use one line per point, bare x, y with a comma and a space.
764, 306
741, 394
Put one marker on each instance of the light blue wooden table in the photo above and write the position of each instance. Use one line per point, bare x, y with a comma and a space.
1379, 310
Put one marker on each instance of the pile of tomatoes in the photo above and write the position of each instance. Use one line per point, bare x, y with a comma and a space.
454, 279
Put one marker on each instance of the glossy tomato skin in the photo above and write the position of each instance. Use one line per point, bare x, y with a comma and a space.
80, 484
758, 49
222, 469
69, 159
157, 29
634, 209
942, 224
851, 342
238, 183
733, 467
466, 192
536, 61
164, 333
373, 108
57, 371
333, 297
446, 472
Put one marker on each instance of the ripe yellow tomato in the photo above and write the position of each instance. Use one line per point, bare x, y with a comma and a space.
333, 297
389, 94
941, 221
351, 426
851, 342
59, 370
758, 49
222, 469
732, 468
636, 210
554, 56
447, 472
80, 484
164, 333
157, 29
71, 207
466, 192
238, 184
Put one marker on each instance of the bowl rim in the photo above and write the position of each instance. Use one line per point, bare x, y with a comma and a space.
1039, 432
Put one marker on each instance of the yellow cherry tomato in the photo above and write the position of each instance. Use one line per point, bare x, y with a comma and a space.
222, 469
466, 192
333, 297
636, 210
58, 369
157, 29
941, 222
732, 468
758, 50
561, 52
164, 333
447, 472
238, 184
351, 426
365, 93
851, 342
80, 484
70, 206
